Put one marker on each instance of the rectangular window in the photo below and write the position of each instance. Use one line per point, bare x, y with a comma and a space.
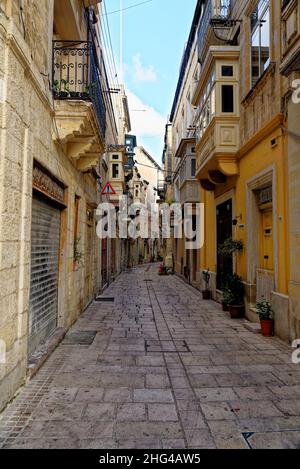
260, 40
170, 165
115, 157
227, 71
207, 107
193, 167
227, 98
188, 110
115, 171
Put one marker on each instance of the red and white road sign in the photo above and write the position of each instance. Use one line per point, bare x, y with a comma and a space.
108, 189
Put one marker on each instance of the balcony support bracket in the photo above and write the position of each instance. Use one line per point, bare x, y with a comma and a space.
77, 132
228, 166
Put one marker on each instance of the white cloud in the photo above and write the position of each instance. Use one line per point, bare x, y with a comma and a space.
147, 124
146, 121
141, 73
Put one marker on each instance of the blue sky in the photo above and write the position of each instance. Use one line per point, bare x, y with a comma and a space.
155, 34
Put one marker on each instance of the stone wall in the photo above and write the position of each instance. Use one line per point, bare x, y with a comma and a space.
27, 124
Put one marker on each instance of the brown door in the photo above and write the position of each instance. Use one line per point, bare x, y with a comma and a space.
195, 265
89, 257
224, 232
104, 263
113, 257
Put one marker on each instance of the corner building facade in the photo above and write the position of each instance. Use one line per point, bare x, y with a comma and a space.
55, 125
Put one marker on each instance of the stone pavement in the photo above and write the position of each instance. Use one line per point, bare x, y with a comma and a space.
158, 368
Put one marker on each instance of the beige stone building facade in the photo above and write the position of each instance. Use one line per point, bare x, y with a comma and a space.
145, 190
168, 165
56, 120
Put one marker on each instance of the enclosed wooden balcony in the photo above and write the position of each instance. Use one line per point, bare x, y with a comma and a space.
218, 117
189, 186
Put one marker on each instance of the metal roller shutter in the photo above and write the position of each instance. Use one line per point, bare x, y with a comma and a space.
44, 272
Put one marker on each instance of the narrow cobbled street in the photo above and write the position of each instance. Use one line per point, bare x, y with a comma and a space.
158, 368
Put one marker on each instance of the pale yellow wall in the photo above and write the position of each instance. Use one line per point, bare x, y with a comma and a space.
255, 162
148, 169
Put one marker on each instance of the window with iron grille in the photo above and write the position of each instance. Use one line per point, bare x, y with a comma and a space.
266, 195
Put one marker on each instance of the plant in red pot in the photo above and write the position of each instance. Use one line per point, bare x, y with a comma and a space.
265, 313
235, 292
206, 278
162, 270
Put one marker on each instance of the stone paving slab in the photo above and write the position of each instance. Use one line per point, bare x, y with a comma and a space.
158, 368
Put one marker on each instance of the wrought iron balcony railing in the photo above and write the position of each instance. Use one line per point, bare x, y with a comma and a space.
76, 76
214, 10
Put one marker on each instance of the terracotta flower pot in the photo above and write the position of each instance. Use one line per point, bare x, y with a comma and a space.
237, 311
267, 327
225, 306
206, 294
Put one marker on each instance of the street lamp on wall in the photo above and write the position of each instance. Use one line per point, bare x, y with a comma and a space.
223, 28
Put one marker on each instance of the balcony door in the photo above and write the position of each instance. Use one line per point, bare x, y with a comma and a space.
224, 231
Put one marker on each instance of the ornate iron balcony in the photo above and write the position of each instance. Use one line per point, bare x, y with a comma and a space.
76, 76
214, 10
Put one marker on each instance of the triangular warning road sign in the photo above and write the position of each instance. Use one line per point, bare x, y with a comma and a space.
108, 189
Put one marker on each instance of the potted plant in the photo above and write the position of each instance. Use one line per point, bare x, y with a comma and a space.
86, 93
162, 270
226, 299
75, 94
56, 88
206, 277
265, 313
235, 296
230, 247
66, 92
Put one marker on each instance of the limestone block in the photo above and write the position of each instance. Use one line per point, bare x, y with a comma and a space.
15, 125
9, 255
16, 92
280, 305
9, 331
10, 228
11, 202
294, 318
12, 174
13, 356
8, 281
23, 319
11, 383
8, 306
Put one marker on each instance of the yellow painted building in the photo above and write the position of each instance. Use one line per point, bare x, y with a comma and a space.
245, 127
